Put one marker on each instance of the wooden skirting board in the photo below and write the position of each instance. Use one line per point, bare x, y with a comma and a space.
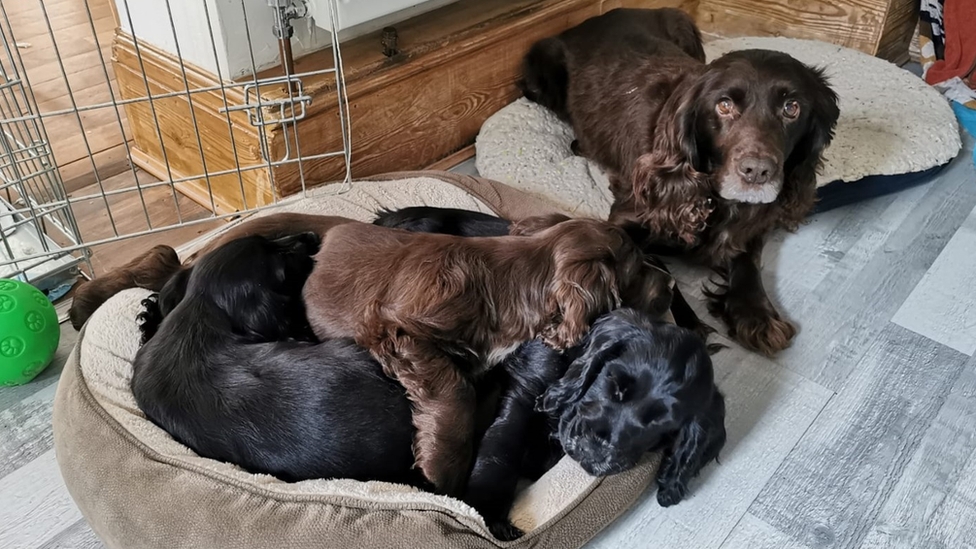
456, 66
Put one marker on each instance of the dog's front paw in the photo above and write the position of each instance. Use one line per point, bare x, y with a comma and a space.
671, 493
150, 318
504, 530
760, 329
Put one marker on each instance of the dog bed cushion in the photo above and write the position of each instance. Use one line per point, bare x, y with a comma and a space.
138, 487
894, 131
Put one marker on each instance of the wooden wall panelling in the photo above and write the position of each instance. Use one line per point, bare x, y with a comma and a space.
179, 137
899, 28
877, 27
457, 65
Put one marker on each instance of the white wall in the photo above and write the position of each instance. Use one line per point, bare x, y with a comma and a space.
358, 17
151, 22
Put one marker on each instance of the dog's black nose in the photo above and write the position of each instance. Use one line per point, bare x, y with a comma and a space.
756, 170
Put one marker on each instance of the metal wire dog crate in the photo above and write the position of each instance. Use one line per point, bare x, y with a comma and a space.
61, 194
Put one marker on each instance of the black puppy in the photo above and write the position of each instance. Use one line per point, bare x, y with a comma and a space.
640, 385
634, 385
230, 373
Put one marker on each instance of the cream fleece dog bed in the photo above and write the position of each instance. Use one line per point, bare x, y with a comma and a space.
893, 131
139, 488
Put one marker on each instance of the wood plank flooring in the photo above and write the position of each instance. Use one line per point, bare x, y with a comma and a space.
83, 45
861, 436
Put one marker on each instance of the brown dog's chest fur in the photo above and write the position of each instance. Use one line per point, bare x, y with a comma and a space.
730, 228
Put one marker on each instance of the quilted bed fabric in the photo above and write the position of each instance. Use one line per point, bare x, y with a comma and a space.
139, 488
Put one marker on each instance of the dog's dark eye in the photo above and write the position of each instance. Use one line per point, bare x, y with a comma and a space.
652, 413
619, 387
791, 109
725, 106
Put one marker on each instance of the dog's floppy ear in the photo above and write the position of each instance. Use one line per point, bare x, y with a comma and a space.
536, 224
174, 290
605, 340
306, 243
294, 257
582, 289
799, 189
696, 443
671, 194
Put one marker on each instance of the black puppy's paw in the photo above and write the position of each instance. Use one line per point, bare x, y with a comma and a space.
671, 493
504, 530
150, 318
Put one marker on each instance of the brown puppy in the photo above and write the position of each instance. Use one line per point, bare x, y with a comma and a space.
154, 268
437, 311
706, 160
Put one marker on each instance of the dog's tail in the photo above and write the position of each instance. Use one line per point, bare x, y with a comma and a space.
150, 270
545, 76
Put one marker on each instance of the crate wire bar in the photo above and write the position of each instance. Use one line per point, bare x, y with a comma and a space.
41, 240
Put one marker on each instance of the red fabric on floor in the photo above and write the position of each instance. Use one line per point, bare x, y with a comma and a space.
959, 18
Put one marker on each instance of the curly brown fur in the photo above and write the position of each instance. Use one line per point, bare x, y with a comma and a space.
705, 159
437, 310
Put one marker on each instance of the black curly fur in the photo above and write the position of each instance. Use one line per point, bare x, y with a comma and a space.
150, 318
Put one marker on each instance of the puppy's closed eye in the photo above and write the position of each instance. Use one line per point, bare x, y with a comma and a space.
653, 412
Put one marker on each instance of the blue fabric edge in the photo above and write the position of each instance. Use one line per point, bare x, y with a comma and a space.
842, 193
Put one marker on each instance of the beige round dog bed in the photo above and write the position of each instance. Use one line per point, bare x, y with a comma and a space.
139, 488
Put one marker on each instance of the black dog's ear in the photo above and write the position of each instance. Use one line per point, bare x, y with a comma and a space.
307, 243
696, 444
293, 258
606, 338
545, 76
174, 290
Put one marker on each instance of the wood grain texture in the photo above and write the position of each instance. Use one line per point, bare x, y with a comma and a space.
83, 75
77, 536
457, 65
768, 410
30, 433
450, 161
752, 533
934, 501
38, 507
126, 209
941, 307
852, 303
174, 152
877, 27
837, 479
895, 41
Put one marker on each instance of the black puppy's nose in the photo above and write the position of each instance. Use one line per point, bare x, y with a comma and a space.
756, 170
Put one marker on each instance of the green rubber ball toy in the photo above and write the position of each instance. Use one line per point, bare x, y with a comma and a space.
29, 332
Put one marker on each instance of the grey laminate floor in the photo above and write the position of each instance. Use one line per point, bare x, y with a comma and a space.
862, 435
